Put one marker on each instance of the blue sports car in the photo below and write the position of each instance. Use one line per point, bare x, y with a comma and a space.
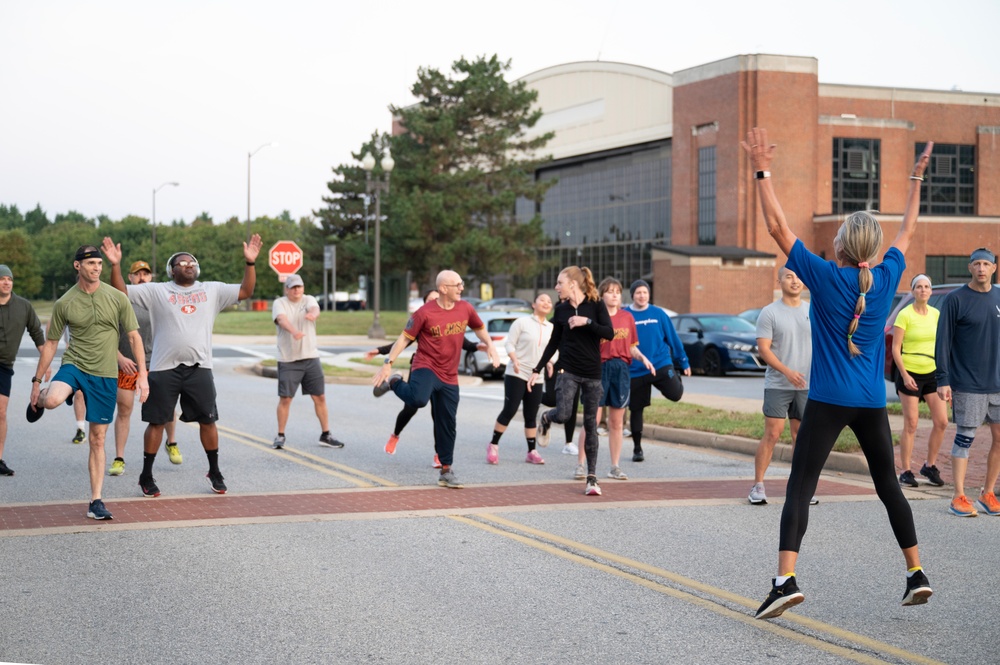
719, 343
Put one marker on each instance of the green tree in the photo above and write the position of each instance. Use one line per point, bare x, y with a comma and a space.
462, 163
18, 256
10, 218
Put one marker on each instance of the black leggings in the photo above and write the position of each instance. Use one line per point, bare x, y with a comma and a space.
667, 381
404, 418
515, 393
821, 425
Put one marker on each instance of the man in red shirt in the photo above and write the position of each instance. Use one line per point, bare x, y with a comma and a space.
439, 328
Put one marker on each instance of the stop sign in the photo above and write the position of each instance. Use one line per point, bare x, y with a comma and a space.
285, 258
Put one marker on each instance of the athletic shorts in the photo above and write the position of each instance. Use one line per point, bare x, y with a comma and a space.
667, 381
780, 403
5, 375
616, 383
193, 384
972, 409
925, 385
100, 393
126, 381
307, 372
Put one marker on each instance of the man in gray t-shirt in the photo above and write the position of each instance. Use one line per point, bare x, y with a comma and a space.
783, 339
182, 313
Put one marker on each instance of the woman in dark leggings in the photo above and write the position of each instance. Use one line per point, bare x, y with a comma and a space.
850, 300
580, 322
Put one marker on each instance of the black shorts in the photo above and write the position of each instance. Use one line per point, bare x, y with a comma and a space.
5, 375
925, 385
667, 381
193, 384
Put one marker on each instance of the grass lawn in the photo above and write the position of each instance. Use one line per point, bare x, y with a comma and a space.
329, 323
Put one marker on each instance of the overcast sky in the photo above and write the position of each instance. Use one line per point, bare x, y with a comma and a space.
104, 101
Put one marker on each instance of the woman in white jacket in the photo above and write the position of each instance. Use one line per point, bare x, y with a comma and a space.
526, 340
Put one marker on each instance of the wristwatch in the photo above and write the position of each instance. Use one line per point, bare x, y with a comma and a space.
386, 362
35, 379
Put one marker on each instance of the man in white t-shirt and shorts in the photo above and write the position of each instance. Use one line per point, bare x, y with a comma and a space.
784, 343
182, 313
295, 316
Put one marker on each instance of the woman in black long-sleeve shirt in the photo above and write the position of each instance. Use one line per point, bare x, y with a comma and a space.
580, 322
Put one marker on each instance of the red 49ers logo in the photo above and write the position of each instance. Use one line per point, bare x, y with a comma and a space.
188, 309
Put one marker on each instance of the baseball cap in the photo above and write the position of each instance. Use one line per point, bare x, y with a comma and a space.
293, 281
139, 265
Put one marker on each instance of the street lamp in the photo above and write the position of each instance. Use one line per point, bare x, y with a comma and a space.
172, 184
377, 186
249, 157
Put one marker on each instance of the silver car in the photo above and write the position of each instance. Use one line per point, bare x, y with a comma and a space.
477, 363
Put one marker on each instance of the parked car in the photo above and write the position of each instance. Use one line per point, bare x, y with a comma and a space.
938, 292
719, 343
751, 315
477, 363
505, 305
471, 300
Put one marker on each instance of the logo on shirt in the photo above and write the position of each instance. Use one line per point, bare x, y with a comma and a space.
188, 309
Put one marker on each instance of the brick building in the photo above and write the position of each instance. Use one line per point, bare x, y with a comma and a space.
652, 181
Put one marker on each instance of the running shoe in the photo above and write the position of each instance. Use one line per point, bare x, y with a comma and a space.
97, 511
436, 464
593, 487
626, 433
174, 453
962, 507
906, 478
988, 503
637, 455
543, 431
386, 385
279, 442
34, 414
492, 453
780, 599
330, 442
5, 470
80, 437
757, 495
580, 473
918, 589
570, 449
448, 479
932, 474
390, 446
117, 467
616, 473
813, 501
218, 486
148, 486
602, 430
534, 458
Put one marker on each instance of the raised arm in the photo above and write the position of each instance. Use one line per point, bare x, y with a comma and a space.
909, 225
761, 153
250, 251
113, 253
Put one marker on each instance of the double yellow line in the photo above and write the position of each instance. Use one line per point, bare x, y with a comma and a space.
696, 593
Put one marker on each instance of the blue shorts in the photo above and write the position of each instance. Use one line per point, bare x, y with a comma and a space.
616, 382
99, 392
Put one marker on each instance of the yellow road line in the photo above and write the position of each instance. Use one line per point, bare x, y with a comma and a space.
349, 474
543, 540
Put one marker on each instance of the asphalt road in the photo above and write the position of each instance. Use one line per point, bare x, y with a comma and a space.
658, 581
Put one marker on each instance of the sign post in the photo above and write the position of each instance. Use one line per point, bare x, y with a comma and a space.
285, 258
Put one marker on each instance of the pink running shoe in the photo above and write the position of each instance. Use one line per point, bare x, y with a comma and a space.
437, 462
492, 454
534, 458
390, 446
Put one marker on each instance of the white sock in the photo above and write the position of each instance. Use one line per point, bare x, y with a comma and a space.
80, 424
781, 579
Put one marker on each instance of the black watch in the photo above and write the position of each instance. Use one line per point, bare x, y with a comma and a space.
35, 379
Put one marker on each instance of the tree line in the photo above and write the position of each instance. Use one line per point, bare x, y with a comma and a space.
463, 159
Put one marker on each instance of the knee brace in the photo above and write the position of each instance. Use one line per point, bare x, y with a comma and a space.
963, 441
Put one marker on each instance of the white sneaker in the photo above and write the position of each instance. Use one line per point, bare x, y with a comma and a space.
757, 496
580, 473
602, 430
570, 449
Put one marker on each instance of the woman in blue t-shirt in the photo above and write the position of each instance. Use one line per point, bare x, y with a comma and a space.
850, 300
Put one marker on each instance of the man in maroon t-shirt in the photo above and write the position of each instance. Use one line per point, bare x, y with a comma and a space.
439, 328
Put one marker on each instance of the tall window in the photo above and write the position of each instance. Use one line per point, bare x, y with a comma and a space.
949, 182
948, 269
855, 175
706, 195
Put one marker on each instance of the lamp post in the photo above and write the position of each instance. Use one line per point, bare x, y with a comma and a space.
155, 190
377, 186
249, 157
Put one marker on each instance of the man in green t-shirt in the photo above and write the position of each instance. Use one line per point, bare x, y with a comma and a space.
93, 312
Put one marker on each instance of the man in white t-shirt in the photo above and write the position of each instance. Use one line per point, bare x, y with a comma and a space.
784, 343
295, 316
182, 313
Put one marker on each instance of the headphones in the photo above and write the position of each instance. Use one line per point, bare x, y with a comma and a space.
170, 265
